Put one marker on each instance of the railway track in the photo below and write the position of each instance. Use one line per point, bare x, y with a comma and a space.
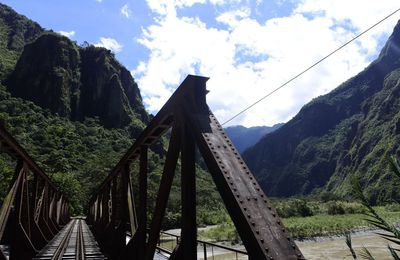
73, 242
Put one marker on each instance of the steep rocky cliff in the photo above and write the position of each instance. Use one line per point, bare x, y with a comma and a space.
77, 82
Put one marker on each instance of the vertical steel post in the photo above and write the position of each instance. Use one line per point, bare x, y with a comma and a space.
163, 192
188, 245
136, 247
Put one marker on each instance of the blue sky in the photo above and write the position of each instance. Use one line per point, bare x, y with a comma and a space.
246, 47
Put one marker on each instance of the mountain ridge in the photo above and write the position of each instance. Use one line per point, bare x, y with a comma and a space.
244, 137
318, 149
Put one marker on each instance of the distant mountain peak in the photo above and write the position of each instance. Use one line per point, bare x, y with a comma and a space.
245, 137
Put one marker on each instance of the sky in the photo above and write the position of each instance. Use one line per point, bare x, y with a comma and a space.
246, 47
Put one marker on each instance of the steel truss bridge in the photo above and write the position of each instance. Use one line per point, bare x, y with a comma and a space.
35, 222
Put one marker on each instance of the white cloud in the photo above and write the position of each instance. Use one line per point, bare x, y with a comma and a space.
125, 11
249, 58
69, 34
109, 43
99, 1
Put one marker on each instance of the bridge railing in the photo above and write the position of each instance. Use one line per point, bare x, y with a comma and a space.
205, 250
33, 211
192, 124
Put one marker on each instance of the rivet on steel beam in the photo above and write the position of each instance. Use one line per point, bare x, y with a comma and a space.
262, 240
248, 215
266, 249
251, 178
241, 201
244, 207
257, 231
253, 223
273, 214
283, 230
288, 238
248, 199
237, 196
228, 177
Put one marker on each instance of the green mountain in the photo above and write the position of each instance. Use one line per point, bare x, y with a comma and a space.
76, 110
77, 82
15, 31
244, 137
348, 131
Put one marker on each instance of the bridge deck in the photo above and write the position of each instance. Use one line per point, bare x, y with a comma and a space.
74, 241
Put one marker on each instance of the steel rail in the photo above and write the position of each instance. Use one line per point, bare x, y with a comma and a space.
80, 243
58, 254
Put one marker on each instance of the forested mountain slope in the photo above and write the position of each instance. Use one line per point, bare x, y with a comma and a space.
349, 131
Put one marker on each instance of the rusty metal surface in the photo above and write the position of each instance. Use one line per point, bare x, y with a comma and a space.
27, 218
257, 222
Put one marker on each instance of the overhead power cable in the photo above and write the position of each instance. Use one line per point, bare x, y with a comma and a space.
310, 67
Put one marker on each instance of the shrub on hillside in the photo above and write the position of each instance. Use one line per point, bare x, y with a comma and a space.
334, 208
294, 208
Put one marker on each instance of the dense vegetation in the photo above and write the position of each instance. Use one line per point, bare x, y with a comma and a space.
346, 132
310, 217
15, 31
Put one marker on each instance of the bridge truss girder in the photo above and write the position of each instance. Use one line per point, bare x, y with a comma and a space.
192, 124
34, 210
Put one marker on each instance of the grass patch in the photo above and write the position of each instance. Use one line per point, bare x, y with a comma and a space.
321, 224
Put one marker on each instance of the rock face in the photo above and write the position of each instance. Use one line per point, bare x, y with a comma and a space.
76, 82
244, 137
348, 131
47, 73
